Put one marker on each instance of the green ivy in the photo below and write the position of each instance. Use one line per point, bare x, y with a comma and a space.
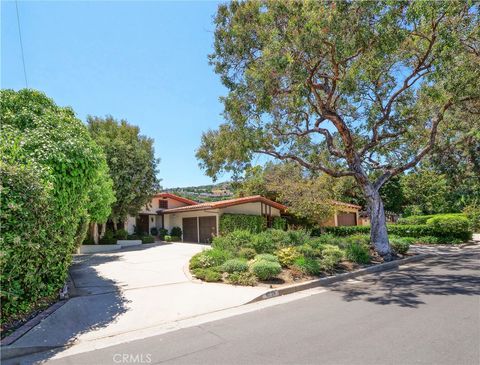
232, 222
49, 164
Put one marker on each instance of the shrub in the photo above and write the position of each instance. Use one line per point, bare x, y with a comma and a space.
242, 278
121, 234
133, 237
279, 237
162, 232
172, 238
438, 240
422, 219
414, 219
233, 222
235, 265
148, 239
263, 243
348, 230
404, 230
279, 223
247, 253
286, 256
108, 238
362, 239
176, 232
207, 274
265, 270
451, 225
307, 250
331, 257
298, 237
209, 258
324, 239
399, 245
358, 253
233, 241
154, 231
472, 212
266, 257
308, 265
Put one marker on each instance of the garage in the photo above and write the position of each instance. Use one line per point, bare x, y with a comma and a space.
207, 228
190, 230
347, 219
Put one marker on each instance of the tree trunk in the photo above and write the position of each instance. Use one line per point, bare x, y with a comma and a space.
378, 223
115, 225
103, 229
94, 232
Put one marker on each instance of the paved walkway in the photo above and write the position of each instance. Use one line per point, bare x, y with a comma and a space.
119, 294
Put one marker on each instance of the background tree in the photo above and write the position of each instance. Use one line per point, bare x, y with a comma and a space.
307, 197
343, 88
101, 197
131, 162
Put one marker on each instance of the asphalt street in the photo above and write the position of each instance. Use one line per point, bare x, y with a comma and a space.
424, 313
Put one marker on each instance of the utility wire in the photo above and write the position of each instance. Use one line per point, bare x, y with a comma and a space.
21, 45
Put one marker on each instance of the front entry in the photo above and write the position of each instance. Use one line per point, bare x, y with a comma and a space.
208, 228
142, 224
190, 232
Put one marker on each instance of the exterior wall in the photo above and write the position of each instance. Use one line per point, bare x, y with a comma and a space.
249, 208
154, 220
333, 221
153, 206
130, 224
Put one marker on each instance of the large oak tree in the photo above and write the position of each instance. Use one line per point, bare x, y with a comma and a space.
347, 88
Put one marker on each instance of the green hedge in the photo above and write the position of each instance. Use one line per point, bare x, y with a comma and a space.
422, 219
245, 222
49, 163
456, 230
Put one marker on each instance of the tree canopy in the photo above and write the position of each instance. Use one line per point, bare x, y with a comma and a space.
131, 161
344, 88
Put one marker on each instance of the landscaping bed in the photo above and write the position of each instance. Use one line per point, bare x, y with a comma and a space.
275, 257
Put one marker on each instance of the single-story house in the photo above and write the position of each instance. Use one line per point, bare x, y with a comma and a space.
199, 221
345, 214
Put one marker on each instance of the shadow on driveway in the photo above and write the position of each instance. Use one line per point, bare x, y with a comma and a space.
80, 314
453, 274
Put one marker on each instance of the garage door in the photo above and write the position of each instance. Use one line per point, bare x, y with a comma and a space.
347, 219
208, 228
190, 229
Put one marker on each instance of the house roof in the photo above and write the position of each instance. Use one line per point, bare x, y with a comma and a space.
176, 197
336, 202
226, 203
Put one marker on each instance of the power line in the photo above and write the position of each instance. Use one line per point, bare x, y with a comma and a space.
21, 45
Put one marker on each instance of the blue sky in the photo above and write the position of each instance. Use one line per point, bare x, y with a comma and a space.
142, 61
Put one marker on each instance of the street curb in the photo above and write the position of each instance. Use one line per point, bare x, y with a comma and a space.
340, 277
19, 332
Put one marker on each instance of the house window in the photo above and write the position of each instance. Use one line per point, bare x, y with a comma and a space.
163, 204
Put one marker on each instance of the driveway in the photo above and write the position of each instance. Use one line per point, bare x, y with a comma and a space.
117, 295
422, 313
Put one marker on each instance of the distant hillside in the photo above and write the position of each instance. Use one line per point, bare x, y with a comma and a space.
205, 193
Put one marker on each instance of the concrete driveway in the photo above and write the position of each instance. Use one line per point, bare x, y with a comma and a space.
120, 294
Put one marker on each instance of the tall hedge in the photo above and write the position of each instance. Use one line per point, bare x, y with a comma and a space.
455, 227
48, 163
245, 222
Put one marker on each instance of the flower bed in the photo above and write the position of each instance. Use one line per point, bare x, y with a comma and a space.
277, 257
